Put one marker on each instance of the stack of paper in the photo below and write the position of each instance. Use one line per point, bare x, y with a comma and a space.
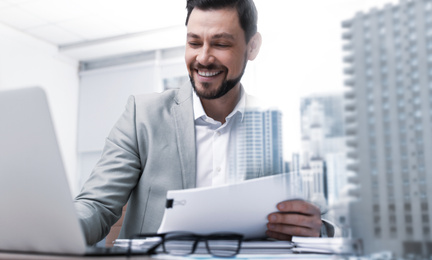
320, 245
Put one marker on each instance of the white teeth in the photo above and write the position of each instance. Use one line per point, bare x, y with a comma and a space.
208, 73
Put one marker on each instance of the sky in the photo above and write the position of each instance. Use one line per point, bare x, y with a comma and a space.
301, 54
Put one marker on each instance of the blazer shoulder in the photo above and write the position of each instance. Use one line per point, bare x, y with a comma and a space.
170, 96
166, 96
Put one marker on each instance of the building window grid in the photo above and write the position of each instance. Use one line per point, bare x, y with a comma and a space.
414, 77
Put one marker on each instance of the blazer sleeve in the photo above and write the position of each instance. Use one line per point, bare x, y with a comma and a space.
99, 204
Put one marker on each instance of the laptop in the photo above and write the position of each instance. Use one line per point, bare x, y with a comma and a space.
37, 211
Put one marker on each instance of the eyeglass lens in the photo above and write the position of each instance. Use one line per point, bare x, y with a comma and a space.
184, 244
179, 244
224, 248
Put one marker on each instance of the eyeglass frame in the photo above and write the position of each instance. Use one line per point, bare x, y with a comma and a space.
196, 239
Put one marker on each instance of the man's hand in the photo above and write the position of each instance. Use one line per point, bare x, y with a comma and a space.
295, 218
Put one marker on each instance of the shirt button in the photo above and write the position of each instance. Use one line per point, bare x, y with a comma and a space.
218, 133
218, 169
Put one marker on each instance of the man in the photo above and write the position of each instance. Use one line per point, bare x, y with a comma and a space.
159, 144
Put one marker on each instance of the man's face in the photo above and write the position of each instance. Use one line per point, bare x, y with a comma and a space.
216, 51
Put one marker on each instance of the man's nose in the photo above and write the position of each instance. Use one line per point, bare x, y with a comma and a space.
205, 56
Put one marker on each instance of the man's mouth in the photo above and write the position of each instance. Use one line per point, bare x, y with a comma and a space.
208, 73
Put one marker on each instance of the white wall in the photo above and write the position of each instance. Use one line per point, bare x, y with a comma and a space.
26, 61
103, 96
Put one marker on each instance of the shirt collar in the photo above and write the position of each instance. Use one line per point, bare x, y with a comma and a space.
200, 113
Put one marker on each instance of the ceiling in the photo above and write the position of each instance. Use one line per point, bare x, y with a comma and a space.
86, 30
90, 29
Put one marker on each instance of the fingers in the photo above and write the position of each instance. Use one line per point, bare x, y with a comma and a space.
298, 206
278, 236
295, 230
296, 218
294, 224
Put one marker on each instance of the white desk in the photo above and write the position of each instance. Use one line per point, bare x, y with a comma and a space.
11, 256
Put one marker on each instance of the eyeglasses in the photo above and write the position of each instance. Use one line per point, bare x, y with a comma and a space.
183, 243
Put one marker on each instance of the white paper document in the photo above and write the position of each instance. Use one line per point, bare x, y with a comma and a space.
241, 208
329, 245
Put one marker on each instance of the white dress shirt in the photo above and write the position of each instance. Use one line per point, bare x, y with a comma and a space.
215, 142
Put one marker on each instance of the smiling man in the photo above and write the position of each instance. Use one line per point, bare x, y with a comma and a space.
217, 52
167, 141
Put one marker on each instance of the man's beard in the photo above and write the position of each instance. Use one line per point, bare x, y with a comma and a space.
220, 91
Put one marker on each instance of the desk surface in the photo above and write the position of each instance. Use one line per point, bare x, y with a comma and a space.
11, 256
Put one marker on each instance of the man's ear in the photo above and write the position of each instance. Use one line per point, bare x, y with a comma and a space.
254, 46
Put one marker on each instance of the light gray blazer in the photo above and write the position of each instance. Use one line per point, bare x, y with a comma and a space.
150, 150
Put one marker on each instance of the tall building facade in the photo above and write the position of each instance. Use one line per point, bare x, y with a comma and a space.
259, 149
389, 125
323, 146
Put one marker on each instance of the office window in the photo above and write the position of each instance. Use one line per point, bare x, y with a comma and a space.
377, 232
393, 231
389, 170
392, 219
377, 219
408, 218
376, 208
407, 196
409, 230
426, 231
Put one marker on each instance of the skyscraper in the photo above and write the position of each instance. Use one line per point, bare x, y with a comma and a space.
323, 145
259, 150
388, 120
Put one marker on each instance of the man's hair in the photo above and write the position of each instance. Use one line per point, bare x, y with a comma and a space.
246, 11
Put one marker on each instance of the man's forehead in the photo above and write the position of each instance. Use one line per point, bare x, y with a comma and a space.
222, 22
222, 35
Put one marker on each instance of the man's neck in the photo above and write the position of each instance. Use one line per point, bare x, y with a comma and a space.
220, 108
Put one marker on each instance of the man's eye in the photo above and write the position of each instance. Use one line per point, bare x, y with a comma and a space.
221, 45
194, 44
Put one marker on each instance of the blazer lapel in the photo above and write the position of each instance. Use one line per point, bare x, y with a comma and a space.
185, 135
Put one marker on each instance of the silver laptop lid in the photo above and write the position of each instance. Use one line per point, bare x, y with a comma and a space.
37, 212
